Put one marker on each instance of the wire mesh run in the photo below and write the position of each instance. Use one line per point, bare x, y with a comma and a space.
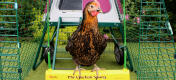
153, 44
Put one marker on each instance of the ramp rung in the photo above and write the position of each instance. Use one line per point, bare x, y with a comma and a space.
8, 35
154, 22
153, 9
153, 28
13, 54
150, 53
7, 9
7, 2
7, 22
7, 48
5, 78
157, 60
8, 72
7, 15
9, 60
153, 35
153, 15
8, 28
8, 41
153, 2
87, 75
156, 47
5, 66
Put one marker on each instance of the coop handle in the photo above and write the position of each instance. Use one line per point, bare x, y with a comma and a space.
170, 28
16, 5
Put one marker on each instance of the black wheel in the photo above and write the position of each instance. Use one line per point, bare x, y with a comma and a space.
119, 54
45, 52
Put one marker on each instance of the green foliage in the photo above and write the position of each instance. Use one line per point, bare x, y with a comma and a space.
28, 12
133, 10
64, 33
37, 27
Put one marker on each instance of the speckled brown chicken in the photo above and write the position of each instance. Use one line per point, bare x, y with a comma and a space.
87, 44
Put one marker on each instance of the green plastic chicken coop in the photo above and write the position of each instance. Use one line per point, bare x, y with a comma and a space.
23, 36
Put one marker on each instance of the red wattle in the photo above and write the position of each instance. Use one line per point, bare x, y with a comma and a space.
94, 13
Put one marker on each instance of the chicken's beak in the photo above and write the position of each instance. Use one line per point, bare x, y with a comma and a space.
99, 10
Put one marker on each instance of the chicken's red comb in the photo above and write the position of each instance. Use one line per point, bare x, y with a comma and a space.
87, 1
97, 3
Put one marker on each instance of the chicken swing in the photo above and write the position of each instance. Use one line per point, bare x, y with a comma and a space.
24, 43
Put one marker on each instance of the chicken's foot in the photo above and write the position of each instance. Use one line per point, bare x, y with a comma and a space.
78, 69
96, 68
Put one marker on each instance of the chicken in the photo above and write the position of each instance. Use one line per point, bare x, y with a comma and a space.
86, 44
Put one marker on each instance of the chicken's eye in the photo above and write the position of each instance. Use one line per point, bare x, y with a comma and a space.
91, 6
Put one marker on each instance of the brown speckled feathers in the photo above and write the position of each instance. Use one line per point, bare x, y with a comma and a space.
86, 44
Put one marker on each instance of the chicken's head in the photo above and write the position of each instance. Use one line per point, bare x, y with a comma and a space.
93, 8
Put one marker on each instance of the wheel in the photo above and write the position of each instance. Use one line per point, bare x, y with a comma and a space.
119, 54
45, 53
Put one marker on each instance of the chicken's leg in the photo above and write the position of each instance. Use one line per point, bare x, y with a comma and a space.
78, 69
96, 68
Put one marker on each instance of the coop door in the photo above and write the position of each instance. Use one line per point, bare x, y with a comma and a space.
70, 5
